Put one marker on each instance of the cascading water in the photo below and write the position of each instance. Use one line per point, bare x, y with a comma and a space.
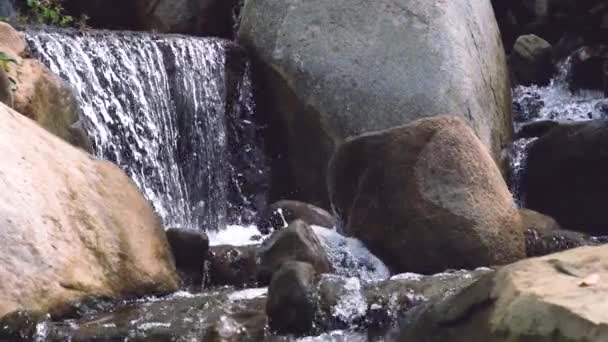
175, 112
552, 102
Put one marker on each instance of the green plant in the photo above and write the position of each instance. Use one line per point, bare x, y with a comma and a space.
48, 12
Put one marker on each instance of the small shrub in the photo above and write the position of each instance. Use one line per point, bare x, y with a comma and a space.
48, 12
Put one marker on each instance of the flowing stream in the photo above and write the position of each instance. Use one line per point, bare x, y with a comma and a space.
175, 112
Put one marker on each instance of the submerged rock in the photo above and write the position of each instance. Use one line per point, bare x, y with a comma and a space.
72, 226
566, 176
280, 214
219, 315
330, 69
298, 242
559, 297
425, 197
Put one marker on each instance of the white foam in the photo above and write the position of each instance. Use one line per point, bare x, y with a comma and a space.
248, 294
350, 257
235, 235
408, 276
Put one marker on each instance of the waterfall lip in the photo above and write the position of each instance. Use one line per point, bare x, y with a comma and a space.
74, 32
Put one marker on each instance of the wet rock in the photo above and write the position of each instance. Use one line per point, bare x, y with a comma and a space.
233, 265
280, 214
545, 236
218, 315
298, 242
536, 129
6, 89
426, 197
190, 249
565, 176
531, 61
72, 226
41, 95
20, 326
589, 69
382, 66
559, 297
291, 301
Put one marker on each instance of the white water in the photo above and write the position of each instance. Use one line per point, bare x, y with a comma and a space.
553, 102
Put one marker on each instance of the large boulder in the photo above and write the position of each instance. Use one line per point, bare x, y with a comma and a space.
72, 226
41, 95
559, 297
566, 176
298, 242
330, 69
425, 197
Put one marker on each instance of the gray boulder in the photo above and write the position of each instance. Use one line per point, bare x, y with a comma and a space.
284, 212
335, 68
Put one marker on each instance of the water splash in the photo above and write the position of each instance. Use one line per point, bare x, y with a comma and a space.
553, 102
168, 112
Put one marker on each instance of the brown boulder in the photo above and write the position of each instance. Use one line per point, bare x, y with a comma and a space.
71, 226
425, 197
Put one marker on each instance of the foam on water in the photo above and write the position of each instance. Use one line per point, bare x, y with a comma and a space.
235, 235
350, 257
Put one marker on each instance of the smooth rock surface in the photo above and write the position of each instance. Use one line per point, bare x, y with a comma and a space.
282, 213
72, 226
330, 69
298, 242
425, 197
531, 61
233, 265
559, 297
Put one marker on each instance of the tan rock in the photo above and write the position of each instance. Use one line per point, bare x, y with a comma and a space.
559, 297
41, 95
11, 41
425, 197
71, 226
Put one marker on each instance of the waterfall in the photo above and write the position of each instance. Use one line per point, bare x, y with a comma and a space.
174, 112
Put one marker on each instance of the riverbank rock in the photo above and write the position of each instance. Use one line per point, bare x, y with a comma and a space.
559, 297
72, 226
41, 95
298, 242
531, 61
284, 212
565, 176
425, 197
330, 69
